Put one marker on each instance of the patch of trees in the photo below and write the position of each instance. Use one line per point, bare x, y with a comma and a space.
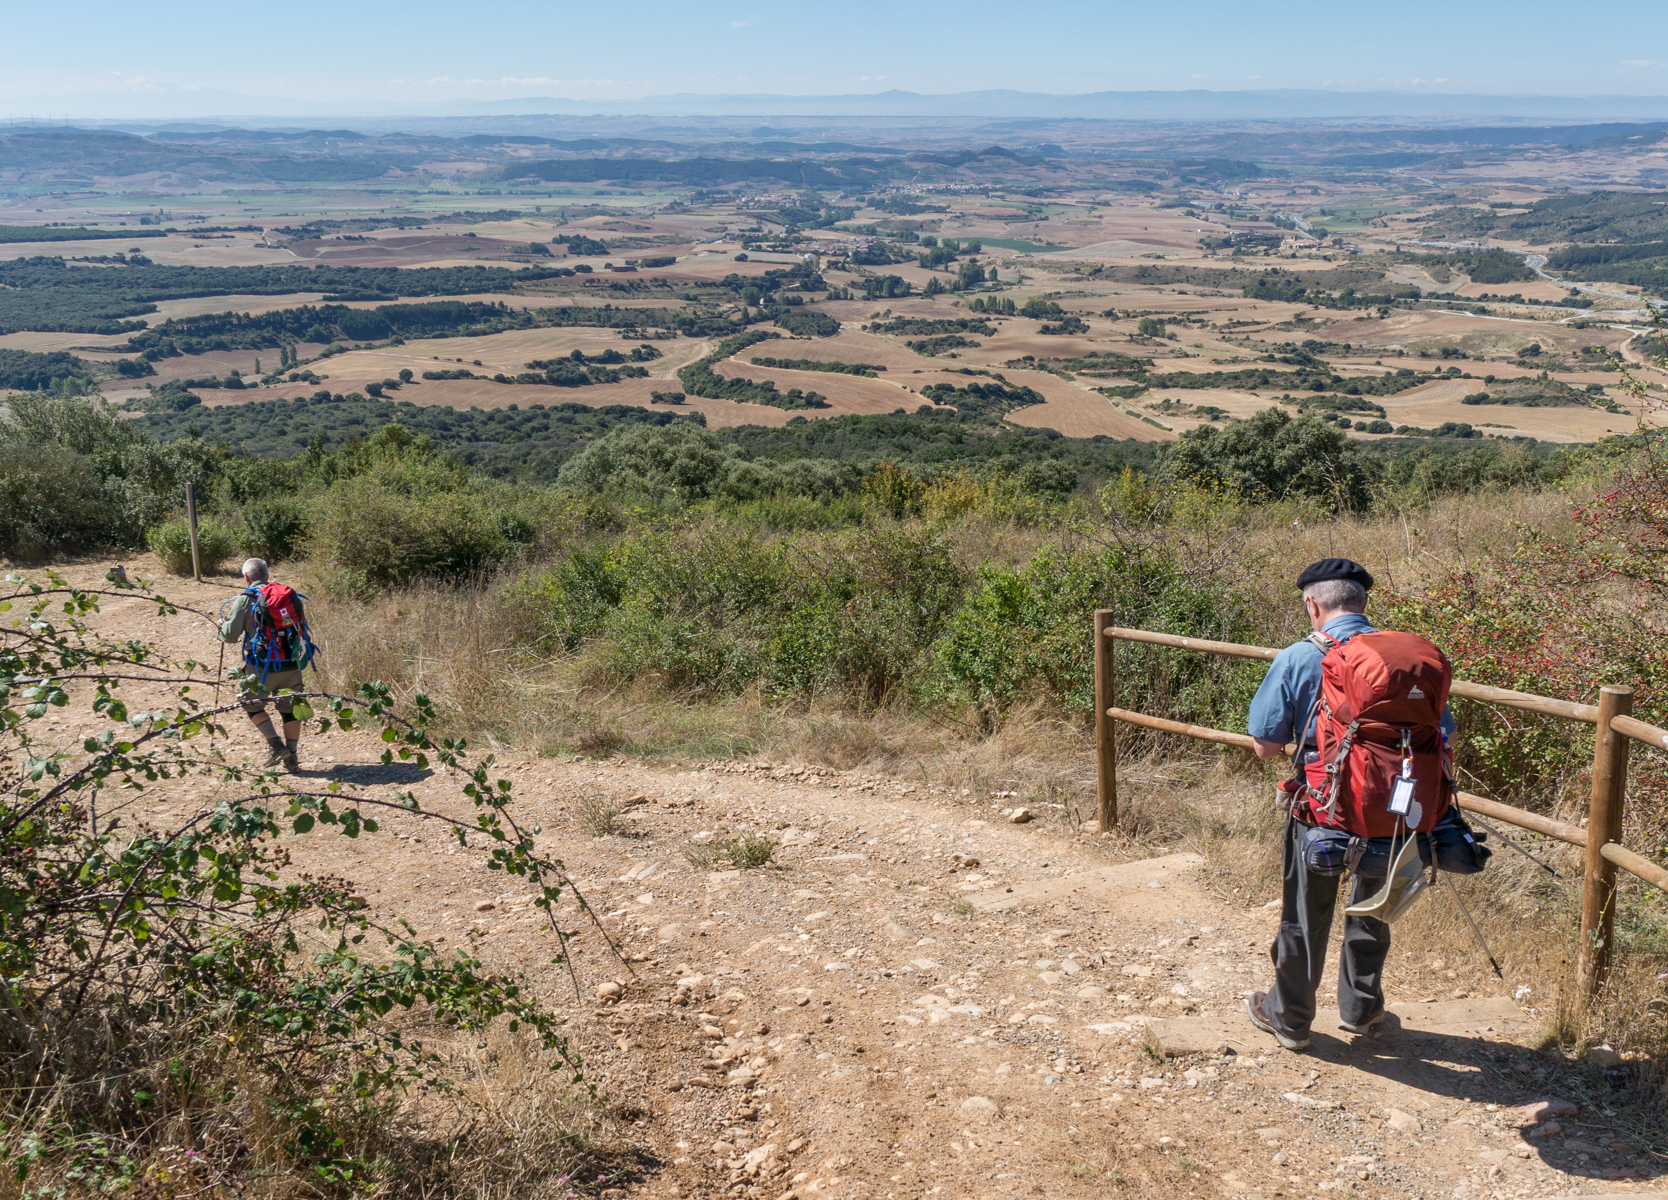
809, 324
879, 254
72, 233
1587, 256
1266, 379
1273, 456
992, 304
56, 370
574, 372
1642, 264
812, 212
809, 364
529, 440
902, 206
172, 397
284, 328
579, 245
1291, 290
1591, 217
699, 379
982, 401
1106, 362
608, 358
932, 326
934, 346
1494, 266
885, 287
46, 294
1069, 324
1530, 393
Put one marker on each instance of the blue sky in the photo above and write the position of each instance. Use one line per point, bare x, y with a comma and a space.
420, 52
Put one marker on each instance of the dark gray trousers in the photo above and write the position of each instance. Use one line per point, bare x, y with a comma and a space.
1299, 950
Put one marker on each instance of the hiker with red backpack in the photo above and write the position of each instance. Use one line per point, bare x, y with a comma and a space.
1370, 794
271, 620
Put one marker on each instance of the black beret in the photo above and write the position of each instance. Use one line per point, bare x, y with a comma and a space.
1335, 568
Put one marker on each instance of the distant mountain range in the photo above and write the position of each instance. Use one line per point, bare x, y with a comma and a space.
1283, 104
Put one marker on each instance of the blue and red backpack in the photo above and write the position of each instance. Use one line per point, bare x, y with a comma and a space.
277, 637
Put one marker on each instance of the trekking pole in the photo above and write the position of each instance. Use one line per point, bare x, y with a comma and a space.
1454, 891
1493, 832
219, 674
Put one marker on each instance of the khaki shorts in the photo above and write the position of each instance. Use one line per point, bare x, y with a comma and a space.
255, 699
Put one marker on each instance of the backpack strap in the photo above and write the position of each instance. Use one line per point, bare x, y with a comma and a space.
1325, 643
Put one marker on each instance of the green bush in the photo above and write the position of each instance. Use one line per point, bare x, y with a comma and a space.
716, 609
171, 542
696, 615
50, 502
570, 601
273, 528
79, 476
1272, 457
1024, 631
861, 612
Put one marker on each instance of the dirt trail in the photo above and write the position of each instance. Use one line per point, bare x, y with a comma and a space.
918, 998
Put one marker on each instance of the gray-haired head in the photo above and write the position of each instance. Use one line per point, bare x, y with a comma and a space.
1337, 595
254, 570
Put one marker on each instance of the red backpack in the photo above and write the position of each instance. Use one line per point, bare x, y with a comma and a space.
1382, 696
278, 636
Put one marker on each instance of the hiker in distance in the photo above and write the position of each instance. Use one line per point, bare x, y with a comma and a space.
1368, 712
271, 620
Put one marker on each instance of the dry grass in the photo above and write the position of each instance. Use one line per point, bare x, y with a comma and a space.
597, 815
508, 1128
466, 648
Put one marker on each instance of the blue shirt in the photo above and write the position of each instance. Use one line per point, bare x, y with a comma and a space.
1291, 687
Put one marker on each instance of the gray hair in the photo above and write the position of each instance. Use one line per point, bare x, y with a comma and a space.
255, 568
1337, 595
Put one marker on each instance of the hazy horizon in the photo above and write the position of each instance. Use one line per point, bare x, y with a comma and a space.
117, 62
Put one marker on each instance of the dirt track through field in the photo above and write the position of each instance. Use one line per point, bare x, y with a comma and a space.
917, 997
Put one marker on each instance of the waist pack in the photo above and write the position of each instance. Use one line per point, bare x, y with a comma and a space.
1454, 846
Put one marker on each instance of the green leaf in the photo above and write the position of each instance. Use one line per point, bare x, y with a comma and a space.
304, 823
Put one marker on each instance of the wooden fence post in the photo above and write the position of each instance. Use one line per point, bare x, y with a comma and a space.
1604, 824
191, 526
1106, 749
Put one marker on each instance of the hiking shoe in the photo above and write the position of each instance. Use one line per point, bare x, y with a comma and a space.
1254, 1010
291, 763
1366, 1026
276, 756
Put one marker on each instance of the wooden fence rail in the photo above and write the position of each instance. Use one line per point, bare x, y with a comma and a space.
1600, 839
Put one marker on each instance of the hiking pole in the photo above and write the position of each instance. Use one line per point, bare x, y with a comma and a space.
1493, 832
219, 673
1454, 891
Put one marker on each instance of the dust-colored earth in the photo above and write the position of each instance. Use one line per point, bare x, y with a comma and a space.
918, 997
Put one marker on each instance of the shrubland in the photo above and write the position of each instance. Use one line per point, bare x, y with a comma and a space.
913, 593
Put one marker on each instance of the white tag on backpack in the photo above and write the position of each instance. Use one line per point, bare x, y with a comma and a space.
1401, 795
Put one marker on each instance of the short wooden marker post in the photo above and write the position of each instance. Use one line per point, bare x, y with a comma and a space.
1604, 824
191, 525
1106, 748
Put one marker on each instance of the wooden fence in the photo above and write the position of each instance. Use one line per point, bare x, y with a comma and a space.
1601, 838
